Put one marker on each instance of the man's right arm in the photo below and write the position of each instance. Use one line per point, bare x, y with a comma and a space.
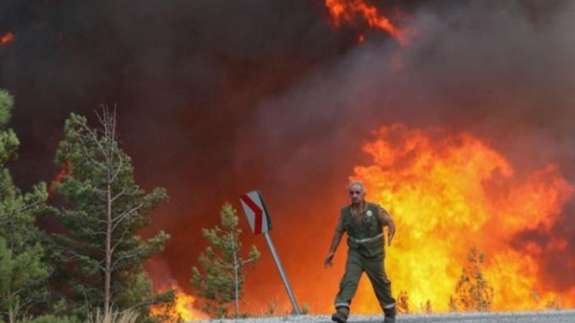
338, 234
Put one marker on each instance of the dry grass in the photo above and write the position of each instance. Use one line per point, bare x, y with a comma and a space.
115, 317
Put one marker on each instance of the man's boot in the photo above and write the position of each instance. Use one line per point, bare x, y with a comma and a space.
340, 315
389, 315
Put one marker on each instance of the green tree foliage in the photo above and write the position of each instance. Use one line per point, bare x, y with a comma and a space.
8, 140
102, 209
472, 291
6, 104
223, 276
23, 272
20, 273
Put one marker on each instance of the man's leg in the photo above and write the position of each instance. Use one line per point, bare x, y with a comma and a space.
381, 286
347, 286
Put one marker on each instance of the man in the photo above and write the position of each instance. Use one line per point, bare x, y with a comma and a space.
364, 224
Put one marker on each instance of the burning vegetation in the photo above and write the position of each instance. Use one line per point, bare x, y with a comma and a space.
183, 308
452, 193
461, 209
459, 206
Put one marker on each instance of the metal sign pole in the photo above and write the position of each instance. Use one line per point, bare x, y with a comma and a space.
259, 221
283, 275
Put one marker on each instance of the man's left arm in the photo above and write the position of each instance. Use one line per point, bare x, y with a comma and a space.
386, 220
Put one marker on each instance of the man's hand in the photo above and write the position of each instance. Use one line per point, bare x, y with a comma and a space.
329, 259
339, 229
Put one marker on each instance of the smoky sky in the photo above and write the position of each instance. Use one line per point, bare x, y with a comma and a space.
183, 74
219, 97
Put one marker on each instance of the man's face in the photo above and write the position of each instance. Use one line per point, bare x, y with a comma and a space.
356, 193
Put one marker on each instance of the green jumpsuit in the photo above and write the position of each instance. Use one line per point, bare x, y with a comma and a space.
365, 253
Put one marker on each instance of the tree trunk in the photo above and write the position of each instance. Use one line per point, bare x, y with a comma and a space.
11, 315
236, 277
108, 268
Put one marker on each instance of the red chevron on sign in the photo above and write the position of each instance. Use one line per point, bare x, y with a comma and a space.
255, 210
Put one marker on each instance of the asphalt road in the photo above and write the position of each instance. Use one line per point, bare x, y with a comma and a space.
523, 317
535, 317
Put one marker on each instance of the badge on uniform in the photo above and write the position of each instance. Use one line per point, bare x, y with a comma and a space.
369, 213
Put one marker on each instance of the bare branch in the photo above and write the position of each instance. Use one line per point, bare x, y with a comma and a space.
119, 219
118, 169
119, 240
130, 255
120, 194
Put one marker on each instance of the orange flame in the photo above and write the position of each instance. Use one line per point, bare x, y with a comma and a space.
449, 193
64, 171
7, 38
183, 309
342, 11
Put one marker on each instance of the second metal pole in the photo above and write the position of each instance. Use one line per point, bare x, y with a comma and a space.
283, 275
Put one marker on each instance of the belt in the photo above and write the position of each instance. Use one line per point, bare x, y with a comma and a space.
366, 239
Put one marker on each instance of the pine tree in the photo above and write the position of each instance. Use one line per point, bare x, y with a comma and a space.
23, 270
223, 267
472, 291
102, 209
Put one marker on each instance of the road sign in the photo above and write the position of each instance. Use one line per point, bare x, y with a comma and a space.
256, 212
259, 220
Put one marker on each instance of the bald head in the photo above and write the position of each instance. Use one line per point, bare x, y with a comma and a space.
356, 191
